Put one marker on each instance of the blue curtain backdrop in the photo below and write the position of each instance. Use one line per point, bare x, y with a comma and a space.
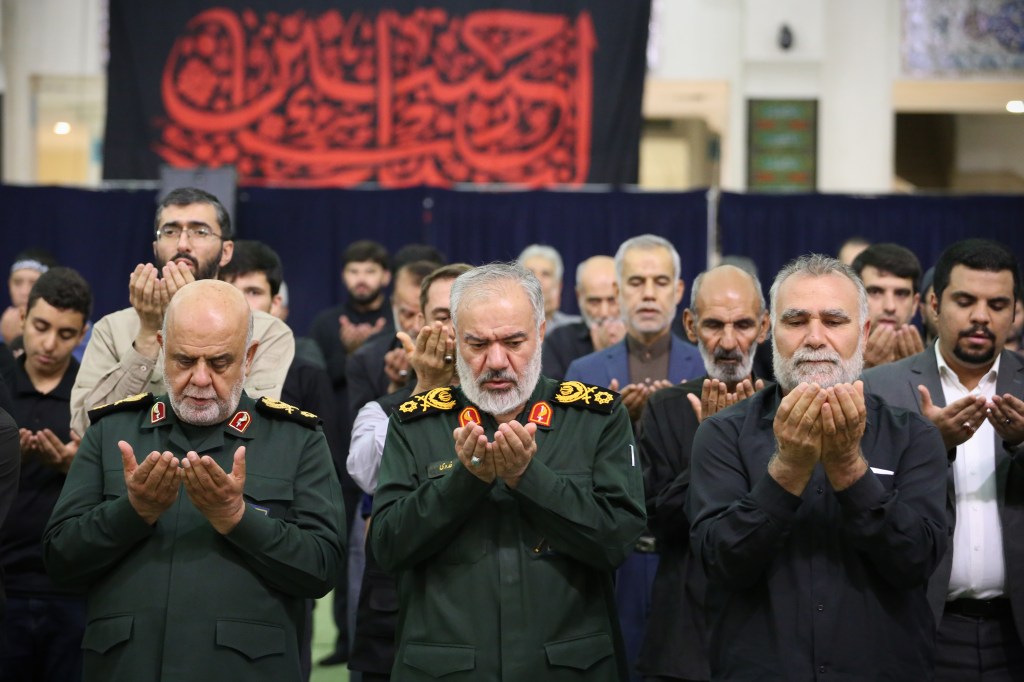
104, 234
774, 229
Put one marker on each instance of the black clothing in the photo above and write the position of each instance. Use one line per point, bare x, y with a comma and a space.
829, 585
367, 379
562, 346
325, 330
10, 465
21, 549
373, 647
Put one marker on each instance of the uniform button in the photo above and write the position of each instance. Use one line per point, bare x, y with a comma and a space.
821, 607
821, 669
821, 489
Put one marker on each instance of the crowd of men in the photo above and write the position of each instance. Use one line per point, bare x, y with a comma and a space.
808, 487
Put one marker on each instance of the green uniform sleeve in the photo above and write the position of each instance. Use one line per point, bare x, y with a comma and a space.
413, 519
597, 519
87, 533
299, 554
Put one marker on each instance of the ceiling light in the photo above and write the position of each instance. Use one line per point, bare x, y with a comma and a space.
1015, 106
63, 127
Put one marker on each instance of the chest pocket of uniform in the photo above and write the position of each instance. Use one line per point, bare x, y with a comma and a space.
270, 496
103, 634
113, 484
471, 542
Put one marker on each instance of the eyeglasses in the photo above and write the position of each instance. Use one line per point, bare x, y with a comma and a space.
196, 233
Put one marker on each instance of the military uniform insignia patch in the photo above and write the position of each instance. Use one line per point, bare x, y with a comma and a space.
433, 401
140, 401
240, 422
158, 412
469, 414
279, 410
540, 414
578, 394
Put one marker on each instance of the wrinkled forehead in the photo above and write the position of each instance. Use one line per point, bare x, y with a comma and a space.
816, 294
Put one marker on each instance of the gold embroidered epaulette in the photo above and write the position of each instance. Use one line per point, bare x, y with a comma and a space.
139, 401
275, 409
434, 401
586, 396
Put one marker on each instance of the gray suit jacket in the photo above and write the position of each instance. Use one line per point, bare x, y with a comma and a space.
897, 383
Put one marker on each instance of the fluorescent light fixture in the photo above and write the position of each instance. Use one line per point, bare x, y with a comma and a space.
63, 128
1015, 106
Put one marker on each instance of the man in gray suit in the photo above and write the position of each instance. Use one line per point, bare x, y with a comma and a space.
971, 389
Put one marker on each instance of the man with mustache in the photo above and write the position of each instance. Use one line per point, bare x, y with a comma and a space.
198, 521
650, 357
970, 387
727, 318
505, 505
890, 274
192, 241
816, 510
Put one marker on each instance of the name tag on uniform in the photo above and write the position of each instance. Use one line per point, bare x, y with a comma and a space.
437, 469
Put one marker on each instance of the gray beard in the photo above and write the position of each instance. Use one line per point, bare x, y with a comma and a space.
730, 374
497, 403
789, 372
214, 413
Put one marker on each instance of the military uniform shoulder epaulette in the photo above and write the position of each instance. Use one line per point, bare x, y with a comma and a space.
586, 396
275, 409
434, 401
140, 401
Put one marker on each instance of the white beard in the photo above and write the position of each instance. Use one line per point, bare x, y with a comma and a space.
499, 402
790, 372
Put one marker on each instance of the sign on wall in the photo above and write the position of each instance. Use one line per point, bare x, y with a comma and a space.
317, 93
782, 145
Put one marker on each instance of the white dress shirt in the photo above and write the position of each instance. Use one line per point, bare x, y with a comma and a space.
368, 434
979, 570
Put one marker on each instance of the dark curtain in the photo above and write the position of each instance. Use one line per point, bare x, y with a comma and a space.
774, 229
105, 234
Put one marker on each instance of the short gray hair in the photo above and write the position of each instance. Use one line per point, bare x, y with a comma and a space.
488, 279
546, 252
646, 242
818, 265
699, 279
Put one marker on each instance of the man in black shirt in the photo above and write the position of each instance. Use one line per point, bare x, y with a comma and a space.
818, 512
42, 635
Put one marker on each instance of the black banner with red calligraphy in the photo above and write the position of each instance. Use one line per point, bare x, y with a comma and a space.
321, 93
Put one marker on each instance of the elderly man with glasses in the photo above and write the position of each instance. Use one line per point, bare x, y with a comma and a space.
192, 241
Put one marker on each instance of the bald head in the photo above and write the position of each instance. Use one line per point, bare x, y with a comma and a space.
208, 349
726, 319
596, 292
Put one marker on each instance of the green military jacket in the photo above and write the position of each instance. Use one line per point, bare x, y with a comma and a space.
509, 584
177, 600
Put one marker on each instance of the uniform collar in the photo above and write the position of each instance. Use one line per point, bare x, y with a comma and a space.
241, 424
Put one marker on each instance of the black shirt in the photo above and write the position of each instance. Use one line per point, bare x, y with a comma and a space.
829, 585
562, 346
21, 552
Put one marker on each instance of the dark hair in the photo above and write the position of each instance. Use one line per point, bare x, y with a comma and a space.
185, 196
64, 289
253, 256
891, 258
41, 256
411, 253
976, 254
417, 270
366, 250
444, 272
855, 239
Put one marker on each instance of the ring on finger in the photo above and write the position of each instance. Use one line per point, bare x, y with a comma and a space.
474, 461
1007, 421
967, 425
448, 359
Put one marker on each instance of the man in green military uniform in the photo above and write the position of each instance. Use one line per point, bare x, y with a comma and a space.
505, 505
198, 522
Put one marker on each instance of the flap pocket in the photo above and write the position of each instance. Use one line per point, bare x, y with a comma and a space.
438, 660
252, 640
263, 489
580, 653
104, 634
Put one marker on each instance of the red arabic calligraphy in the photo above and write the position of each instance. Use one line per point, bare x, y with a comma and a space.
425, 98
